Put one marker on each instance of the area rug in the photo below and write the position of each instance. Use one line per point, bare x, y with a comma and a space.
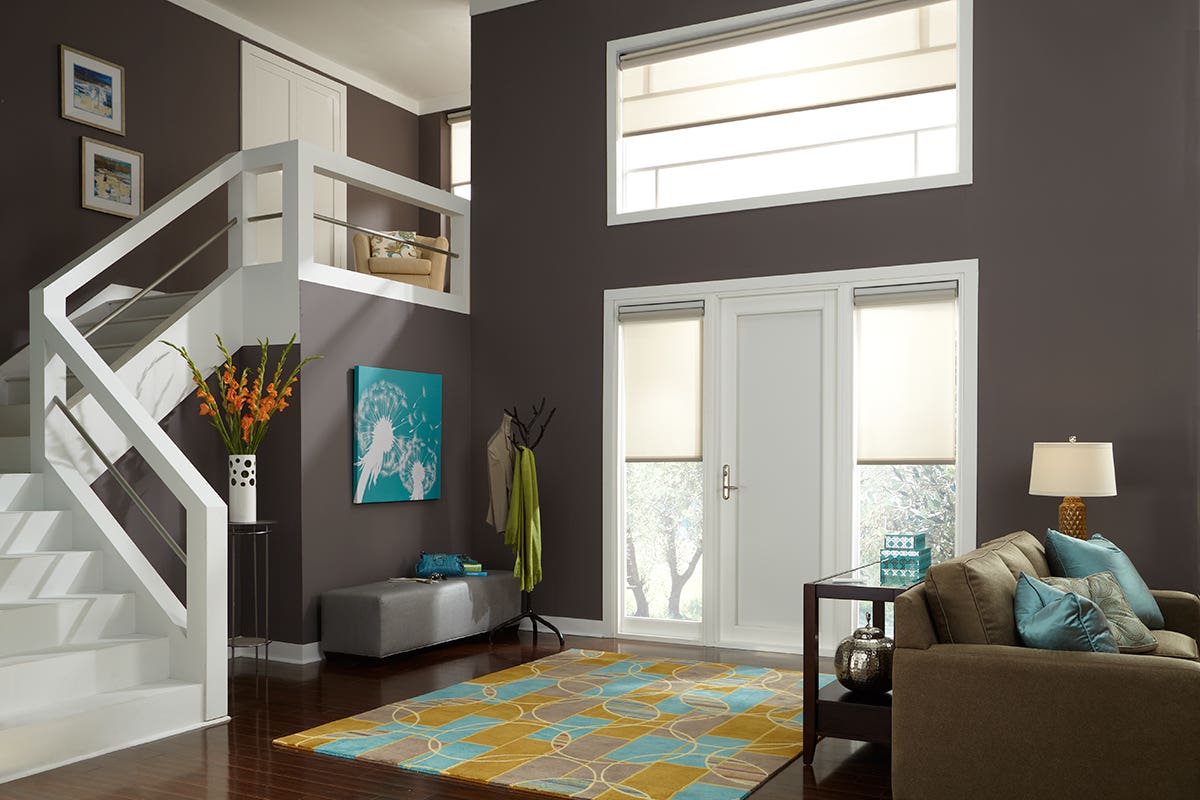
590, 724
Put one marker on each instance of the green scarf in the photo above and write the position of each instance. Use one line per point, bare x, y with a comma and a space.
524, 530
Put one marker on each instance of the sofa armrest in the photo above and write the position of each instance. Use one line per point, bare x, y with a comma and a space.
1181, 611
992, 721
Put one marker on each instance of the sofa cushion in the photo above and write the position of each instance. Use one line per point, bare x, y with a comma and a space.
1077, 558
971, 599
400, 266
1173, 644
1051, 619
389, 248
1029, 546
1131, 634
1013, 557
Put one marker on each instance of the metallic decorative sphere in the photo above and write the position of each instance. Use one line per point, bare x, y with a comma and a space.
863, 661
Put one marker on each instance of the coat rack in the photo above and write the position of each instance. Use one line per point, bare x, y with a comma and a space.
525, 436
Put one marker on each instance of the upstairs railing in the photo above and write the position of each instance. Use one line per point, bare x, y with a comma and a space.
56, 346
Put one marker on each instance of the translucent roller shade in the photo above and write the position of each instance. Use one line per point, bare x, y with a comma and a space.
865, 56
460, 151
661, 367
906, 387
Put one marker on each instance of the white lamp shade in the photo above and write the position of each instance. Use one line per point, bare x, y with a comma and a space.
1073, 469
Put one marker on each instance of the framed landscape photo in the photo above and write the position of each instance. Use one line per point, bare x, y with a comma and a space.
93, 90
112, 178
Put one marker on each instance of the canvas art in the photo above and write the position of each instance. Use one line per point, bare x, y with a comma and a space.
112, 178
397, 435
93, 90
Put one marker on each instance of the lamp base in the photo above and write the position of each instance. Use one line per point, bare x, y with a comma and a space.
1072, 517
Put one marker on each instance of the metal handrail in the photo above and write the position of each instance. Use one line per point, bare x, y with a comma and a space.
360, 229
124, 484
122, 308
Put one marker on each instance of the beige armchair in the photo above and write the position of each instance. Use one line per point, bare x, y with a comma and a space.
428, 271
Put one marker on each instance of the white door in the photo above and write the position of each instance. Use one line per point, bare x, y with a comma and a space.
283, 101
777, 368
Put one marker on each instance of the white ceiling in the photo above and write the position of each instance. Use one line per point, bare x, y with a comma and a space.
414, 50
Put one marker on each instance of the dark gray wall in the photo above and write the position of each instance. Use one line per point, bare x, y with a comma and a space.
385, 135
1083, 215
346, 544
434, 165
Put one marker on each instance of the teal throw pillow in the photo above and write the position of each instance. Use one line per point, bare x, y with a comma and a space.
1051, 619
1077, 558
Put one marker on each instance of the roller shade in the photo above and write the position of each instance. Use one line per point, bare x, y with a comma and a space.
661, 350
905, 369
864, 52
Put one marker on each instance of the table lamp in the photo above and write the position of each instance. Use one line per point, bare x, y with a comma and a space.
1072, 470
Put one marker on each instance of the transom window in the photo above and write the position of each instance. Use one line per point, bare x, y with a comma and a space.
808, 103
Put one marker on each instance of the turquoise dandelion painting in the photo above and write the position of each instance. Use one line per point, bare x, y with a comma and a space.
397, 435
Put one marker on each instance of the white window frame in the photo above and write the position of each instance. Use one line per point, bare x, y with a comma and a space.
619, 47
844, 282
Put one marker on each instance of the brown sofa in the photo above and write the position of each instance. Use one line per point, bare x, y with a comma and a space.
976, 715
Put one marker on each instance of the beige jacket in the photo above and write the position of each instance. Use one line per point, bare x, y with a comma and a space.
500, 453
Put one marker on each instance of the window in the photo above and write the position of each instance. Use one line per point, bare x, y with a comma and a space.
906, 398
460, 153
845, 100
661, 355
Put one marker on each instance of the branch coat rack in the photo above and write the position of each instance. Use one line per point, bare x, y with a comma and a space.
526, 436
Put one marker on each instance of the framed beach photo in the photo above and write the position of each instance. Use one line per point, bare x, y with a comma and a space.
112, 178
93, 90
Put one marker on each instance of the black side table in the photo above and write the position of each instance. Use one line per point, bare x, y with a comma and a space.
248, 536
835, 710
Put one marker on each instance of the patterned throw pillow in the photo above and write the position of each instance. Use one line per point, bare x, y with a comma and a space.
1102, 589
390, 248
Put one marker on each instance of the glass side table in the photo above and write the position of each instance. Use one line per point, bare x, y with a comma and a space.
252, 536
835, 710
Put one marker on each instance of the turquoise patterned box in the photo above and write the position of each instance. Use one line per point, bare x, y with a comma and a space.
903, 541
903, 566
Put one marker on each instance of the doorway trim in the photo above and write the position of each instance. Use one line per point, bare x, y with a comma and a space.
844, 281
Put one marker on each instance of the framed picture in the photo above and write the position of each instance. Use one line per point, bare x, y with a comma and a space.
93, 90
112, 178
397, 435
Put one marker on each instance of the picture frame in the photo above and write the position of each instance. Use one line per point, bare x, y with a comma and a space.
93, 90
112, 178
397, 433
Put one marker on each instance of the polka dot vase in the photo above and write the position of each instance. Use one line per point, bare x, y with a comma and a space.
243, 489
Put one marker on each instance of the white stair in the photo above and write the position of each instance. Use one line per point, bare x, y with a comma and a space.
76, 679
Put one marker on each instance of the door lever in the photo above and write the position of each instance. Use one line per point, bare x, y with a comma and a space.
726, 486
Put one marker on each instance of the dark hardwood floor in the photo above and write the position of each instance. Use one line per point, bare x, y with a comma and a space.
238, 760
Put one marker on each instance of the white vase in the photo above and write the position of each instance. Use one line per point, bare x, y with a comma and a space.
243, 489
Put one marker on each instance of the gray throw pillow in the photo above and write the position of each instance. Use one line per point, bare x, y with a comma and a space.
1131, 633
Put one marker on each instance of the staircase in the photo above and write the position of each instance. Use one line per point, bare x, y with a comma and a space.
76, 676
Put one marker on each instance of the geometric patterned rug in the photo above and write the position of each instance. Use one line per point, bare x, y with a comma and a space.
590, 724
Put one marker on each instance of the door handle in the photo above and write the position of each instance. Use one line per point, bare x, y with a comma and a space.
726, 486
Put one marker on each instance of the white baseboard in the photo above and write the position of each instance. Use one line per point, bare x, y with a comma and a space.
284, 652
573, 626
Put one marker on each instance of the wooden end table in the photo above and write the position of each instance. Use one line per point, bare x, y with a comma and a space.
835, 710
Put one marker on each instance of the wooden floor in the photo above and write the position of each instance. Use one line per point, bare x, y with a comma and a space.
238, 760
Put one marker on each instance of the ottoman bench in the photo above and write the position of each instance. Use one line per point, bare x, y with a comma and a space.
385, 618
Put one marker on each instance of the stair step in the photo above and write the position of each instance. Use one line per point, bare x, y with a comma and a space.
51, 676
14, 453
34, 741
30, 531
124, 328
166, 304
47, 622
14, 420
50, 573
20, 492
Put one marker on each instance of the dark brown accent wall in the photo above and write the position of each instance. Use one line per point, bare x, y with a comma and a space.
346, 544
434, 167
182, 93
1083, 215
385, 135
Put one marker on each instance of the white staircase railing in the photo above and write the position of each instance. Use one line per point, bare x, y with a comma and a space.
199, 644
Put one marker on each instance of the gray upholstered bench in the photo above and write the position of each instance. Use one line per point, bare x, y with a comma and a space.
382, 619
